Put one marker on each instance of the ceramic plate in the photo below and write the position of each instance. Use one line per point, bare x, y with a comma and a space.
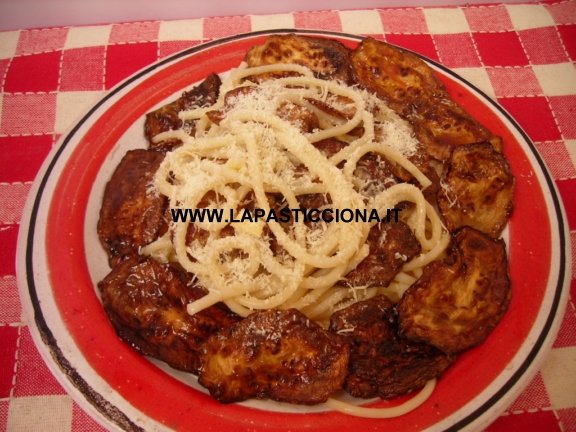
60, 260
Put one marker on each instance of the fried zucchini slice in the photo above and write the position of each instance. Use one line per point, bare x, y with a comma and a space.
146, 303
457, 302
275, 354
381, 363
391, 245
166, 118
299, 117
131, 216
478, 190
410, 87
328, 59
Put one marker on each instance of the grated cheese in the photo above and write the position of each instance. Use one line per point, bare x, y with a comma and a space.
252, 152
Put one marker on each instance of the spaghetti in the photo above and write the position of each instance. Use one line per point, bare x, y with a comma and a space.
254, 152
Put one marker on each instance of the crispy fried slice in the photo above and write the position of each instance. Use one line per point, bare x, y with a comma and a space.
391, 246
196, 234
424, 163
298, 116
193, 233
373, 172
131, 216
314, 201
378, 173
458, 301
345, 111
274, 354
166, 118
411, 89
442, 125
478, 190
328, 59
329, 146
398, 77
381, 363
230, 100
146, 303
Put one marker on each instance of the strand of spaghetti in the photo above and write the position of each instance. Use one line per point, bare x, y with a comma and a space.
404, 192
201, 126
323, 298
160, 243
336, 273
327, 280
172, 134
391, 154
394, 291
304, 297
279, 185
330, 175
367, 137
258, 70
232, 81
237, 308
283, 182
437, 229
340, 297
404, 278
160, 249
328, 119
335, 296
396, 411
434, 253
248, 266
290, 198
212, 132
212, 298
358, 294
417, 220
436, 226
336, 89
313, 188
199, 270
198, 113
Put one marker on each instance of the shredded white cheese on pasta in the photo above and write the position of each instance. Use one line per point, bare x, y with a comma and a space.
253, 152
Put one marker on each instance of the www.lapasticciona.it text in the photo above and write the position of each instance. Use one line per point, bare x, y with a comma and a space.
284, 215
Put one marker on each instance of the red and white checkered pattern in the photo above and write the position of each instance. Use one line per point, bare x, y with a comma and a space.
521, 54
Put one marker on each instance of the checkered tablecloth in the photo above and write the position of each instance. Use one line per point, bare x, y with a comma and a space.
522, 55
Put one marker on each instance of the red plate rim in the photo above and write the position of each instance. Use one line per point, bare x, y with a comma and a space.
176, 404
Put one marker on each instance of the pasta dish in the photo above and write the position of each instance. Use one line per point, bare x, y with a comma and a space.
255, 152
321, 219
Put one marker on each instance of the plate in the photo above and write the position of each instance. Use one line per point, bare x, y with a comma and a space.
60, 260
